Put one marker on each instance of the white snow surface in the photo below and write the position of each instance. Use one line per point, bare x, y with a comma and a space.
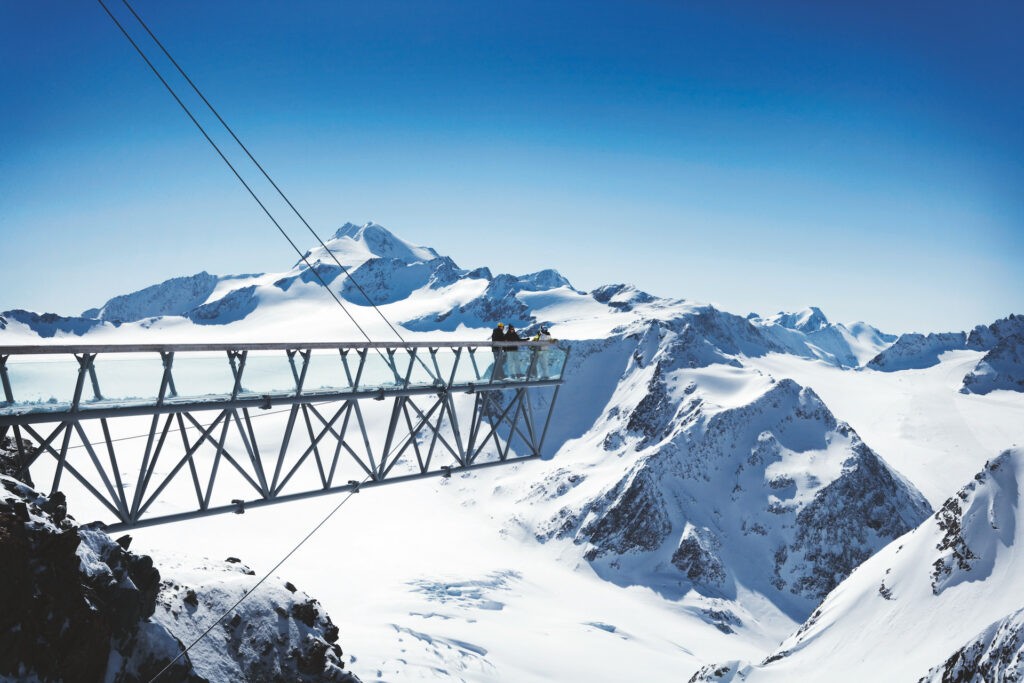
919, 600
447, 580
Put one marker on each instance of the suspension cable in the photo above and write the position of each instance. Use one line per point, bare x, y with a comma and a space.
266, 175
263, 578
233, 169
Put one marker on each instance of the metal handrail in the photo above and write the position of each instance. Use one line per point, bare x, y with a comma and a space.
254, 346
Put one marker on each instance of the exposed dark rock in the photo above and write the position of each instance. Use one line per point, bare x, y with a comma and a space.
78, 606
635, 518
996, 654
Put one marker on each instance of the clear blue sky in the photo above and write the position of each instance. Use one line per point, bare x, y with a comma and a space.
867, 158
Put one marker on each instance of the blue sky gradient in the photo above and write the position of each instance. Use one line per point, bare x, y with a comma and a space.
867, 159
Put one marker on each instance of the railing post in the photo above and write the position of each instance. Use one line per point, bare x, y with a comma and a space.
5, 380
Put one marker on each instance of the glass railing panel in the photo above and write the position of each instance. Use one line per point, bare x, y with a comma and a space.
199, 376
550, 362
42, 382
443, 362
270, 372
384, 370
124, 378
422, 372
327, 372
476, 365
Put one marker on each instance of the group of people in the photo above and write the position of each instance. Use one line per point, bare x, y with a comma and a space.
507, 360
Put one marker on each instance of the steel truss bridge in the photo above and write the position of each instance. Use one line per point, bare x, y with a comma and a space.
161, 433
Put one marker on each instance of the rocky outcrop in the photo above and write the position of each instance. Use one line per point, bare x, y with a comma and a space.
235, 305
995, 654
1001, 368
775, 495
50, 324
916, 351
974, 522
176, 296
79, 606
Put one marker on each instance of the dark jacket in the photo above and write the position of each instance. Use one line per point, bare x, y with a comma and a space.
497, 335
512, 335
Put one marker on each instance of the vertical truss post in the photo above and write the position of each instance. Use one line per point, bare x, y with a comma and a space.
476, 368
547, 421
315, 446
84, 366
62, 457
252, 448
189, 450
437, 368
292, 414
5, 380
390, 437
166, 380
408, 372
237, 361
121, 500
216, 460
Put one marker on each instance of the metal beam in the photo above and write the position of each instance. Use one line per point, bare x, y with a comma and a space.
424, 419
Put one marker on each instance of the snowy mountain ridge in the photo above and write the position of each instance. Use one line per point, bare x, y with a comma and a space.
720, 475
961, 570
428, 293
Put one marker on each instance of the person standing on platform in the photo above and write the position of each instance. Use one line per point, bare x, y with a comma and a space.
497, 335
512, 364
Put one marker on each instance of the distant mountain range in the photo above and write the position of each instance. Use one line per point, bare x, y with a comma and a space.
686, 459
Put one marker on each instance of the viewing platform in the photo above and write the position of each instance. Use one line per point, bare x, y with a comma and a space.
350, 415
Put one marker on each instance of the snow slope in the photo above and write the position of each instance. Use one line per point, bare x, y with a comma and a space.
913, 606
708, 478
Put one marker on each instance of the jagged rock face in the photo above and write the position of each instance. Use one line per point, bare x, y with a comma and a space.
634, 518
986, 337
77, 606
621, 297
808, 320
176, 296
233, 306
996, 654
74, 599
49, 324
386, 280
844, 523
281, 634
324, 273
380, 242
916, 351
775, 494
974, 522
723, 672
1001, 368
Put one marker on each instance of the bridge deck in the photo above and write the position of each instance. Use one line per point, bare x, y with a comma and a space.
436, 407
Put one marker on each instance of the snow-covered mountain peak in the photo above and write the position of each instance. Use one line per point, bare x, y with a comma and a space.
810, 319
372, 240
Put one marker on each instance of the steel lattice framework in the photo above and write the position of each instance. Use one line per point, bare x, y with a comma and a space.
438, 408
